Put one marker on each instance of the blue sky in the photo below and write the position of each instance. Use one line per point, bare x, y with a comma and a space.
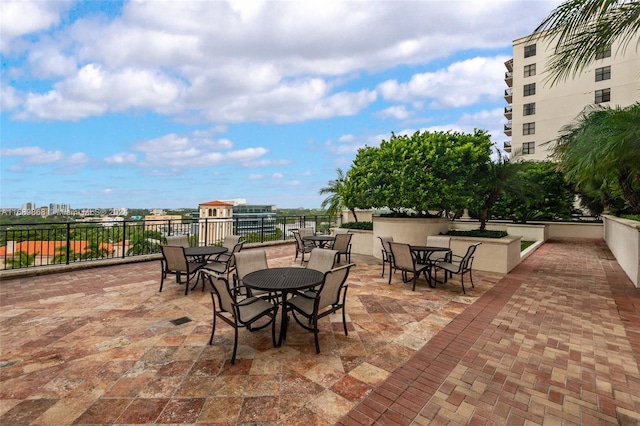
154, 104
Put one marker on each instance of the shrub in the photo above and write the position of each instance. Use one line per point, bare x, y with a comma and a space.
366, 226
478, 233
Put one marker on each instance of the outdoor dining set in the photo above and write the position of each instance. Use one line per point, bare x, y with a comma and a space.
247, 293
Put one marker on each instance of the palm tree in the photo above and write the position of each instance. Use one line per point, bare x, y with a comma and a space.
335, 202
603, 147
498, 178
61, 255
583, 28
21, 259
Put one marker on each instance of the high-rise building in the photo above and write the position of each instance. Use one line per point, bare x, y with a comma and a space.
538, 110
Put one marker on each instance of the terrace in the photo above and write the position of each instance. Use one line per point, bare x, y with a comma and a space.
557, 340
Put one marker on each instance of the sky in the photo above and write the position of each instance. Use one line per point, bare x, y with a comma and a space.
168, 104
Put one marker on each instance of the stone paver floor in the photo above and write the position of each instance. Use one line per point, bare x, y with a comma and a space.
556, 341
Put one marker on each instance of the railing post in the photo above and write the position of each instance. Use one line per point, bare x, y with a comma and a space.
262, 229
68, 241
124, 238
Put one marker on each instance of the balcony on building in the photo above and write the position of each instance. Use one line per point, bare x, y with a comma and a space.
509, 64
507, 146
508, 78
507, 128
507, 111
508, 94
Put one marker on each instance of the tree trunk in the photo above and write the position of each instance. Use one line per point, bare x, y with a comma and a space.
355, 217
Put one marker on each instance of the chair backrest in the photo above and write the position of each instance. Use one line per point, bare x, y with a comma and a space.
230, 241
221, 289
232, 259
384, 242
337, 231
298, 238
439, 241
250, 261
402, 257
341, 243
306, 232
178, 240
322, 259
334, 280
175, 258
467, 260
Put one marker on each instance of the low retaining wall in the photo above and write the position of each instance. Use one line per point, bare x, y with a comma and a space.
493, 255
623, 238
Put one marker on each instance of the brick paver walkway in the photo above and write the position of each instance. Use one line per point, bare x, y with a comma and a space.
557, 341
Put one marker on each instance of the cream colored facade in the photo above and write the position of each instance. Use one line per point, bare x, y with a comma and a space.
536, 118
216, 221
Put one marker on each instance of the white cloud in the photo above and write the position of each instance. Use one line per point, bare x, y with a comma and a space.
121, 158
21, 17
255, 176
176, 152
277, 176
460, 84
398, 112
277, 62
35, 156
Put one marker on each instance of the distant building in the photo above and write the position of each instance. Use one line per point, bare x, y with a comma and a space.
252, 218
216, 221
163, 223
537, 110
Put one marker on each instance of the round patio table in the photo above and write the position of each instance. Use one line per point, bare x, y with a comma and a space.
202, 254
422, 257
319, 240
284, 281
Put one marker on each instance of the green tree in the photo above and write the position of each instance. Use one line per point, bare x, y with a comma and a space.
543, 194
144, 242
500, 177
426, 171
95, 250
61, 255
21, 259
584, 28
335, 202
602, 150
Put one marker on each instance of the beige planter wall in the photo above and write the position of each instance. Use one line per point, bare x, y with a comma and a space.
363, 216
361, 241
623, 238
493, 255
576, 230
406, 230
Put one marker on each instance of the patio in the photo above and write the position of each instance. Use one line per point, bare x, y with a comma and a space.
556, 340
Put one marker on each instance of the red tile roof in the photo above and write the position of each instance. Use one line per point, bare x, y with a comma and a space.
48, 248
216, 203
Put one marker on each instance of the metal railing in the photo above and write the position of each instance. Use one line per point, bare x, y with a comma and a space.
41, 244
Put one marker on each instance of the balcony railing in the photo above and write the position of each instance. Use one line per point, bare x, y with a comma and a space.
41, 244
507, 111
507, 128
507, 146
508, 94
508, 78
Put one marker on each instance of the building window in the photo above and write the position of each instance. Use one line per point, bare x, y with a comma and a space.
529, 89
529, 109
530, 70
606, 53
603, 73
529, 129
529, 148
530, 50
603, 95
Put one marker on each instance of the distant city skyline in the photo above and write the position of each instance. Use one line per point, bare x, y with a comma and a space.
111, 103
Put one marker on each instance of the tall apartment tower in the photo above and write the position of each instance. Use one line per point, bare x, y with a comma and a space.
538, 110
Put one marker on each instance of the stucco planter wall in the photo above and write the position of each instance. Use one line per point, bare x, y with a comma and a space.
407, 230
361, 241
575, 230
493, 255
623, 238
